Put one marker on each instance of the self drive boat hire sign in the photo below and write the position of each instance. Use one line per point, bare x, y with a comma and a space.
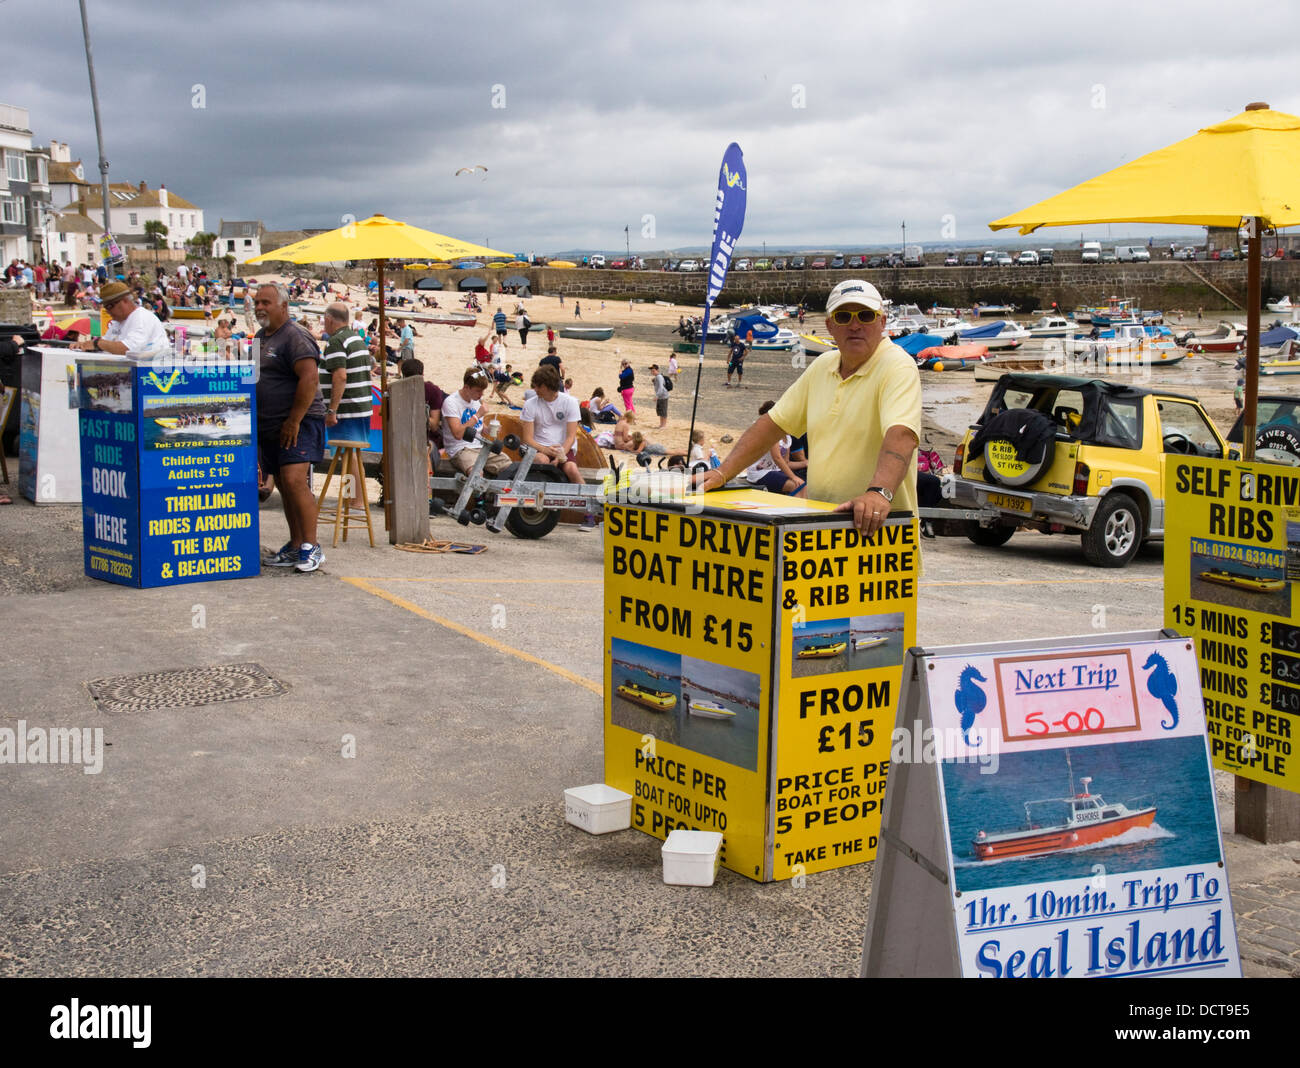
1076, 811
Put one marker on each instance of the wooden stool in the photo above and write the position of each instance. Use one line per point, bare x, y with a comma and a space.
346, 454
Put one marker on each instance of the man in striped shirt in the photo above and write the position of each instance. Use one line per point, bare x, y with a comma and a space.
345, 381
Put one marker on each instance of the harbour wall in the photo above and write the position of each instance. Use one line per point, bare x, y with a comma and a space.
1169, 285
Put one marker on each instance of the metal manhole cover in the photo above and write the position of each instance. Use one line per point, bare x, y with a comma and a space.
184, 688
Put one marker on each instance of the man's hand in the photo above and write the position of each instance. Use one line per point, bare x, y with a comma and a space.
289, 433
331, 418
870, 510
707, 481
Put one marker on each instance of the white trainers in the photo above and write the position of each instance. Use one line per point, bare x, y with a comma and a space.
287, 556
310, 557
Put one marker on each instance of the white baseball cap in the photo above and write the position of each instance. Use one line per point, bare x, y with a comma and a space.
855, 291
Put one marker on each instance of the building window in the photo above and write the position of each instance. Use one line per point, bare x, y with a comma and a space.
230, 246
16, 166
42, 175
132, 216
247, 243
171, 220
11, 211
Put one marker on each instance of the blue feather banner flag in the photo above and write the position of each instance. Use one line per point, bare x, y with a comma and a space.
728, 221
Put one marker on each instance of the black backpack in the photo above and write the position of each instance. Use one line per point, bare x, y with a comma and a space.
668, 383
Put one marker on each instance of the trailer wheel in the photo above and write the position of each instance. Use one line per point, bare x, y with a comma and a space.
990, 537
532, 523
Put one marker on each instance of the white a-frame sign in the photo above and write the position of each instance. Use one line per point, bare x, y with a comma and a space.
1051, 813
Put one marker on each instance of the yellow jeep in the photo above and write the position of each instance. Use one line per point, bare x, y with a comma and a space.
1061, 454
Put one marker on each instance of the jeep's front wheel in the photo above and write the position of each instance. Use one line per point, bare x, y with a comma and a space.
990, 537
1116, 532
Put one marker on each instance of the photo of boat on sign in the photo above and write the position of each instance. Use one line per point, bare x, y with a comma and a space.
1060, 813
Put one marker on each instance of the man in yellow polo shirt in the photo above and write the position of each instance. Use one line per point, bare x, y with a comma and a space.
859, 404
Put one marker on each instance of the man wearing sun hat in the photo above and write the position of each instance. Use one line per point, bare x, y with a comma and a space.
134, 330
859, 404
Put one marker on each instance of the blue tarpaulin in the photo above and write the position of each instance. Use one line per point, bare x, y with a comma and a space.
914, 343
756, 322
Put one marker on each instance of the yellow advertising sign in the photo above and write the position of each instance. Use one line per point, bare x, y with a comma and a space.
1232, 554
848, 614
764, 615
688, 640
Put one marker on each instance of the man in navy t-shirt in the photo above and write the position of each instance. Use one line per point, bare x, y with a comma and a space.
290, 422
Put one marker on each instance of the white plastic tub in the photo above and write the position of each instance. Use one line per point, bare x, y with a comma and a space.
598, 809
691, 857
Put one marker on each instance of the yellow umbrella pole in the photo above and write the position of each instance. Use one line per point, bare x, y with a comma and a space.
383, 400
1251, 412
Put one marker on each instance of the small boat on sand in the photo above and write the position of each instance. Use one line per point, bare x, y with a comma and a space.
1235, 579
587, 333
655, 700
822, 652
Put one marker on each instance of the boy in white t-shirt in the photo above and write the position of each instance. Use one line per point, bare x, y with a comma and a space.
460, 411
550, 423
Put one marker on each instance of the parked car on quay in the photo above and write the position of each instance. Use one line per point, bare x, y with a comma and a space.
689, 265
989, 259
597, 261
1108, 256
744, 265
875, 262
798, 263
1091, 252
971, 259
780, 264
670, 265
1028, 258
763, 265
819, 264
1004, 259
1099, 468
1046, 255
855, 261
837, 261
950, 260
1132, 254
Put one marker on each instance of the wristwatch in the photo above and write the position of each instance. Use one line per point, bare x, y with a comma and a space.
96, 343
887, 494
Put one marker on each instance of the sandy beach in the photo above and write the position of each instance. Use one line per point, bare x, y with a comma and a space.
643, 333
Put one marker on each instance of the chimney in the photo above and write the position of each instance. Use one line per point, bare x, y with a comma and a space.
162, 196
142, 185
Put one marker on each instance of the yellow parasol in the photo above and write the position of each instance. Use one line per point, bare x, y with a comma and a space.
380, 239
1246, 167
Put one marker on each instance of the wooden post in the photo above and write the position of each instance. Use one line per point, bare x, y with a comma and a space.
406, 481
1265, 813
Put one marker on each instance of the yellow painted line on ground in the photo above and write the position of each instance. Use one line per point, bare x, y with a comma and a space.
1038, 582
478, 581
483, 639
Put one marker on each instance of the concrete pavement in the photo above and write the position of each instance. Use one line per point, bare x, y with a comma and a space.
237, 838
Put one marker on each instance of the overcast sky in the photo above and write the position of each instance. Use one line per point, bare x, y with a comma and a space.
854, 117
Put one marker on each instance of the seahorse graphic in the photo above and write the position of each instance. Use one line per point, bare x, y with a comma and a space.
969, 699
1161, 683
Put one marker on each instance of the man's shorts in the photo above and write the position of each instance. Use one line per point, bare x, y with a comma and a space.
736, 367
661, 407
501, 331
464, 460
355, 428
310, 448
772, 481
